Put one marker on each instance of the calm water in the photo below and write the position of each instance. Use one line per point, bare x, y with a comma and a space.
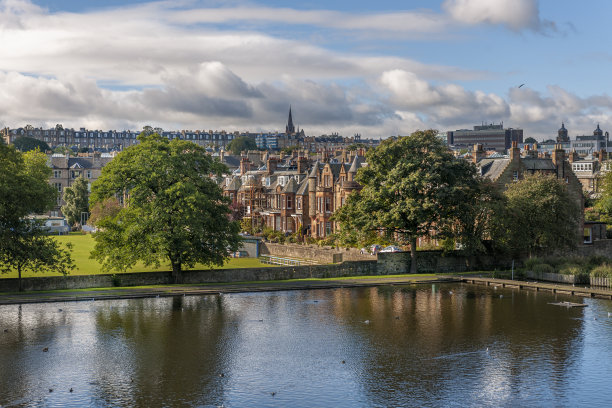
449, 345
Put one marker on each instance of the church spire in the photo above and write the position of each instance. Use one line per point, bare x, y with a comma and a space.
290, 129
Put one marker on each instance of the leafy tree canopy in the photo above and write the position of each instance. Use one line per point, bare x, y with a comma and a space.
77, 201
539, 213
240, 144
530, 140
604, 203
412, 186
24, 190
25, 144
174, 210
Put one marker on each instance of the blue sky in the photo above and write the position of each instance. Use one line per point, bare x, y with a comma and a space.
372, 68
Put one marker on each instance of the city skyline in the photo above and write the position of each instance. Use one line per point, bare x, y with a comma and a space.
354, 67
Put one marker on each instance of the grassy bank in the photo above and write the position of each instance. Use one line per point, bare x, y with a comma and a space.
83, 244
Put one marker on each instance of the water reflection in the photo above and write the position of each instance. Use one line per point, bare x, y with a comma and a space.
449, 345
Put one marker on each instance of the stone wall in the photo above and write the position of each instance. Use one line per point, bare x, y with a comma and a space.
321, 254
436, 262
386, 264
201, 276
600, 248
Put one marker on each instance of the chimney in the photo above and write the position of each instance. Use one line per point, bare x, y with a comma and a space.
271, 165
558, 155
244, 165
221, 155
515, 152
302, 164
573, 156
478, 153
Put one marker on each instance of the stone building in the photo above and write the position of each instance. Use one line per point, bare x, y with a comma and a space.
506, 170
292, 194
66, 169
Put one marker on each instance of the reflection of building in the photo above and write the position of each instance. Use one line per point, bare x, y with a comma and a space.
490, 136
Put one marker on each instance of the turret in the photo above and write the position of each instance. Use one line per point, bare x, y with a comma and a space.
312, 190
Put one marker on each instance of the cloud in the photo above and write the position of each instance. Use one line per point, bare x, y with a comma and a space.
516, 14
443, 104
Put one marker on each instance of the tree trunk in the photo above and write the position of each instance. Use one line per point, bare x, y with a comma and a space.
413, 255
176, 272
19, 278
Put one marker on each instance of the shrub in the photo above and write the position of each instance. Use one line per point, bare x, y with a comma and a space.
532, 262
543, 268
602, 271
570, 269
116, 279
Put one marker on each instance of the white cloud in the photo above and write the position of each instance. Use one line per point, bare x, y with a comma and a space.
515, 14
444, 104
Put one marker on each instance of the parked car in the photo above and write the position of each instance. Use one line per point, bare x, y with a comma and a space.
374, 249
391, 248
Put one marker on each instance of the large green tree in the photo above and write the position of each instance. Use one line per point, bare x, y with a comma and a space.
539, 213
240, 144
173, 208
25, 190
25, 144
603, 205
76, 198
413, 186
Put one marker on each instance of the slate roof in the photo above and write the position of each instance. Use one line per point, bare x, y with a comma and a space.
234, 185
492, 168
291, 187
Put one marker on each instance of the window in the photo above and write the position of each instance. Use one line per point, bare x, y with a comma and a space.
58, 186
328, 228
88, 174
588, 239
289, 202
298, 203
57, 173
327, 204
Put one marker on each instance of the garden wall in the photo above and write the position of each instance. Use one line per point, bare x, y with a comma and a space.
551, 277
321, 254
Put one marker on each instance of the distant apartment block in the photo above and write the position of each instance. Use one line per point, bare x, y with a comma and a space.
490, 136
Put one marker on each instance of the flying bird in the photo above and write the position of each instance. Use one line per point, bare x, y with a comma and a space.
521, 85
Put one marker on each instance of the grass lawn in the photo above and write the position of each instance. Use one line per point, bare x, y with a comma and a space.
83, 244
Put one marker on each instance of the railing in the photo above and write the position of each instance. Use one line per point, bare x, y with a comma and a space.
275, 260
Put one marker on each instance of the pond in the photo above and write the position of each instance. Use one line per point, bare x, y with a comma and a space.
420, 345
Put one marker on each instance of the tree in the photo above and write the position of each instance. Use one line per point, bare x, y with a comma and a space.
109, 207
24, 190
530, 140
173, 209
240, 144
539, 213
77, 201
604, 203
412, 186
25, 144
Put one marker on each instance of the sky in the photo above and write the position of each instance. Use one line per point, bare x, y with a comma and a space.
377, 68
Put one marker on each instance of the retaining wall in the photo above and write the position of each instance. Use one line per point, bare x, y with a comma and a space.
321, 254
386, 264
200, 276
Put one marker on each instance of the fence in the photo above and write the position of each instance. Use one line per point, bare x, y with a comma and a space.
275, 260
605, 282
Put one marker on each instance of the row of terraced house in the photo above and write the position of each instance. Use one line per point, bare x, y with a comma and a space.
294, 194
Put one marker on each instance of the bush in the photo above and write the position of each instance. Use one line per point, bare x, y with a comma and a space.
116, 279
532, 262
570, 269
542, 268
602, 271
